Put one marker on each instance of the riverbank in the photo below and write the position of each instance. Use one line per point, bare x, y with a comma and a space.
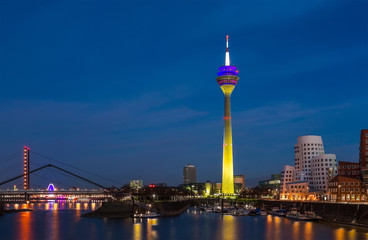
3, 212
341, 213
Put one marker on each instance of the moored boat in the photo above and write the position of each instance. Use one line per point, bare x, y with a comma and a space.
296, 215
146, 215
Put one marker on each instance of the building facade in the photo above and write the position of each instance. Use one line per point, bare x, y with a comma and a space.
287, 175
189, 174
299, 191
305, 149
349, 169
347, 189
239, 183
363, 155
324, 168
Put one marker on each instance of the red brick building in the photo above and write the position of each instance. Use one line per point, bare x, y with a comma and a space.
346, 189
363, 154
349, 169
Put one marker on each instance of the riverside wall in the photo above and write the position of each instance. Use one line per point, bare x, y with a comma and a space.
345, 213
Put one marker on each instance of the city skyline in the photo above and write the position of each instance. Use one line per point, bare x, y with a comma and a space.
92, 87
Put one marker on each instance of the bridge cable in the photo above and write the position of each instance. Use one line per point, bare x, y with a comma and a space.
50, 158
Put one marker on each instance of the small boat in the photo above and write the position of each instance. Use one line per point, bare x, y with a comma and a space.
263, 213
278, 212
217, 209
147, 215
312, 215
296, 215
208, 209
240, 212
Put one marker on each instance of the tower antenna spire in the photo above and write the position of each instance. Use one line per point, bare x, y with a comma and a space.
227, 56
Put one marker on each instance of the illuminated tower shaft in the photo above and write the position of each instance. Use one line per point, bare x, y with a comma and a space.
227, 79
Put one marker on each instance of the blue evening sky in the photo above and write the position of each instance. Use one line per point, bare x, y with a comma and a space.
127, 89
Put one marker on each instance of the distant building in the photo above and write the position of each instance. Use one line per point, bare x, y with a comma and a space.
189, 174
363, 155
347, 189
273, 183
239, 183
136, 184
287, 175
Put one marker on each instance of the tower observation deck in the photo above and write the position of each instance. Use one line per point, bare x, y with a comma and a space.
227, 80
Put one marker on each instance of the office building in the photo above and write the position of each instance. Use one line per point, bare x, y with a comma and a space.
189, 174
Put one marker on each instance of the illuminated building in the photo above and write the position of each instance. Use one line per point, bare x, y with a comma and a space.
189, 174
239, 183
324, 168
287, 175
136, 184
274, 182
312, 165
299, 190
347, 189
227, 79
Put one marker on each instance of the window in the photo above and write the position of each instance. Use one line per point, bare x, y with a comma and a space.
342, 189
357, 183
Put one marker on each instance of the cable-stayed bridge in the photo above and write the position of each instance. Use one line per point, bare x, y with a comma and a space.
42, 178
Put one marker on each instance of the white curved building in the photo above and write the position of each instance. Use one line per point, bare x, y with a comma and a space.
287, 175
306, 148
324, 168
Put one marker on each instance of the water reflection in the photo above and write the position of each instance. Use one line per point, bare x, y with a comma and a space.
308, 231
340, 234
25, 228
296, 227
55, 223
49, 221
352, 234
229, 228
151, 234
137, 231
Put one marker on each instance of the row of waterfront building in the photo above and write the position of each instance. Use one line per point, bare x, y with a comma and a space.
318, 176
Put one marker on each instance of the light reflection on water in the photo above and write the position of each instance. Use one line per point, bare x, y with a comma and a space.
61, 220
229, 228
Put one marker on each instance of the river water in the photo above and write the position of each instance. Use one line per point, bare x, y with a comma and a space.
63, 221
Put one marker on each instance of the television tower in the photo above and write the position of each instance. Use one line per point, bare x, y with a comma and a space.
227, 79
